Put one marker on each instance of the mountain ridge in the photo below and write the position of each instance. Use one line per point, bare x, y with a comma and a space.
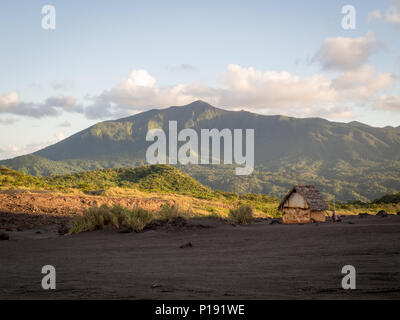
336, 156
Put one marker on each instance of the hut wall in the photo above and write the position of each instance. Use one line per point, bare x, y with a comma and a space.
318, 216
296, 215
296, 200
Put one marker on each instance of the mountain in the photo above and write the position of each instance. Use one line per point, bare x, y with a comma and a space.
348, 160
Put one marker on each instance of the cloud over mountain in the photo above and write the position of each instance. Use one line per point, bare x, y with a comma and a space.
248, 88
387, 103
12, 104
354, 82
343, 53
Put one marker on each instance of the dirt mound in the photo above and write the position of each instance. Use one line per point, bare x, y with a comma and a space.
58, 204
22, 210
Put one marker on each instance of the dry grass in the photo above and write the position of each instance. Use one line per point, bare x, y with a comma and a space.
242, 215
116, 217
170, 213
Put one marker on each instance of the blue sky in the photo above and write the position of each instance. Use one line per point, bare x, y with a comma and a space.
108, 59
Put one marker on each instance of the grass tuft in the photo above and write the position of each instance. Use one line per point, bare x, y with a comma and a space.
170, 213
104, 217
242, 215
117, 217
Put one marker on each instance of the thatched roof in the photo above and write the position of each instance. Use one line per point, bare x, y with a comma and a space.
311, 195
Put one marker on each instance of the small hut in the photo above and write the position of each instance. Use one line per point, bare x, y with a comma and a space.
303, 204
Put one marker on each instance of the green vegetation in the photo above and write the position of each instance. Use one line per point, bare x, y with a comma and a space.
163, 179
348, 161
156, 178
363, 180
389, 203
389, 198
242, 215
14, 179
266, 204
116, 217
170, 213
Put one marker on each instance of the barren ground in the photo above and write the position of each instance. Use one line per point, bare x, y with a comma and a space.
260, 261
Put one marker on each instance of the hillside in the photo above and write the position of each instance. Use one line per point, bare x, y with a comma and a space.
348, 161
156, 178
149, 186
146, 186
389, 198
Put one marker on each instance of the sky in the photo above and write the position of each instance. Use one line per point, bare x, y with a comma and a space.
109, 59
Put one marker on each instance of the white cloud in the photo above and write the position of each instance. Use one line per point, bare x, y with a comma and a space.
67, 103
139, 91
387, 103
12, 104
251, 89
374, 15
101, 108
274, 92
241, 88
136, 93
9, 99
347, 53
137, 79
393, 14
357, 83
362, 83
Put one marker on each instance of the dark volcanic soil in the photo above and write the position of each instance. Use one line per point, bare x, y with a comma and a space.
260, 261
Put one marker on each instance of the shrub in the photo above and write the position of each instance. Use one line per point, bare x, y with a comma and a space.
137, 219
241, 215
171, 212
92, 219
389, 198
275, 213
214, 215
98, 218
